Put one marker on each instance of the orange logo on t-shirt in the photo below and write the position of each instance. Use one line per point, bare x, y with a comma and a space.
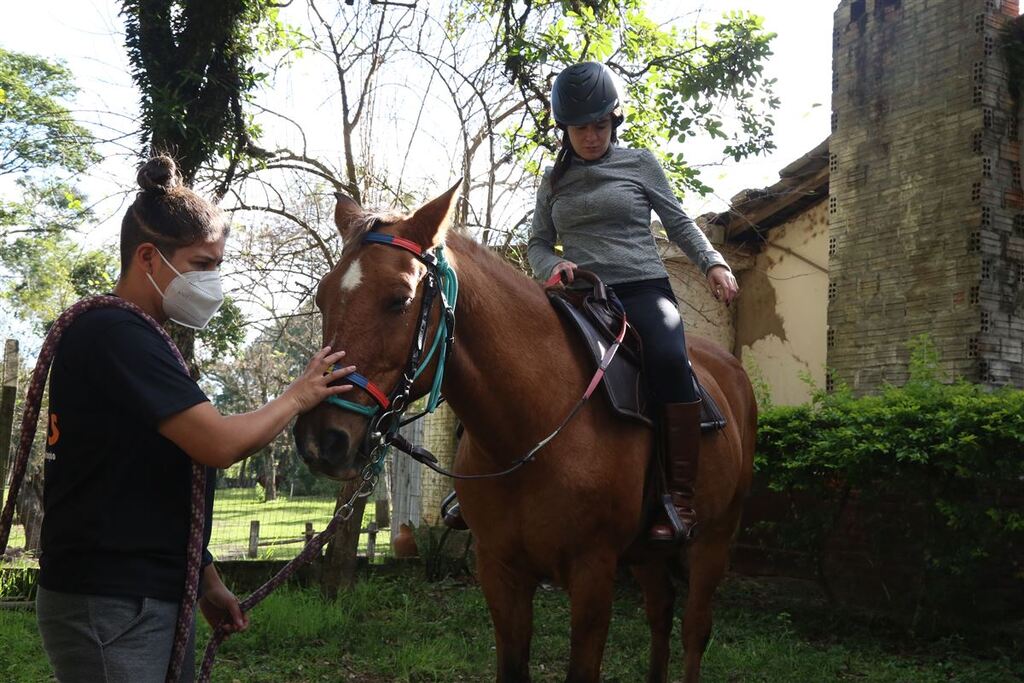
54, 435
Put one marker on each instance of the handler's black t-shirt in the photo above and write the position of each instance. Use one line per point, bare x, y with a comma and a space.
116, 493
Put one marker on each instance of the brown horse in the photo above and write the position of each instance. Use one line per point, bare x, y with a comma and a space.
515, 372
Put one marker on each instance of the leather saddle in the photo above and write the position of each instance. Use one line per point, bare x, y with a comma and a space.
595, 313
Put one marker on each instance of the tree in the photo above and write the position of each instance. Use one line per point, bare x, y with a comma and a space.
705, 81
37, 132
40, 143
193, 63
50, 272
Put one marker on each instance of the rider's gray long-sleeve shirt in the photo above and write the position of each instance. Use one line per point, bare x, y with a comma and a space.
601, 214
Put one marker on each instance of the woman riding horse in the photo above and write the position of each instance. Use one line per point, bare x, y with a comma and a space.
597, 201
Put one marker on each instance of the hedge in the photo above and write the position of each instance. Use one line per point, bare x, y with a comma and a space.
931, 475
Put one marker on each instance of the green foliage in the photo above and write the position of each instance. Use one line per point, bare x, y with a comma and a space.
39, 139
51, 272
706, 81
36, 129
18, 583
225, 333
932, 471
193, 63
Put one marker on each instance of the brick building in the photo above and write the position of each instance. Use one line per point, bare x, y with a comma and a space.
924, 212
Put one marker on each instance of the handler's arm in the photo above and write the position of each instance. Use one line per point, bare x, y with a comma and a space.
222, 440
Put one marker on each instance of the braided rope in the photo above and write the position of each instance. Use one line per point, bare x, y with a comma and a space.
311, 551
33, 401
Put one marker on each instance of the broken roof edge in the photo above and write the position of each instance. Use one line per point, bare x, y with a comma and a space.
802, 183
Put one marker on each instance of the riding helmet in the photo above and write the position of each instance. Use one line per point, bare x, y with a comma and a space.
583, 93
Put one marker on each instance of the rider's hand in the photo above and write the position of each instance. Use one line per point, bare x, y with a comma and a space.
564, 271
723, 284
311, 387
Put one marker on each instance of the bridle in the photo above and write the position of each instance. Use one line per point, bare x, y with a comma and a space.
385, 416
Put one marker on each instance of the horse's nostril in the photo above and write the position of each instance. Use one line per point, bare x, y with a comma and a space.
334, 445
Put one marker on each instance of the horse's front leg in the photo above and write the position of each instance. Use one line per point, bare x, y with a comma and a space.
591, 591
509, 593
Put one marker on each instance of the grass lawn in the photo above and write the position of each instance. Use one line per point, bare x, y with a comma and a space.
403, 629
280, 519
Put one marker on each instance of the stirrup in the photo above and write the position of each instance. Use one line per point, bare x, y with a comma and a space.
680, 532
451, 513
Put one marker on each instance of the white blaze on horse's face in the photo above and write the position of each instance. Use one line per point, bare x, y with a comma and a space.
353, 276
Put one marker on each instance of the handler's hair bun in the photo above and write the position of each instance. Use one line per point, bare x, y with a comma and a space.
159, 175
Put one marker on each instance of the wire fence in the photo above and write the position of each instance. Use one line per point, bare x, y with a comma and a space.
247, 526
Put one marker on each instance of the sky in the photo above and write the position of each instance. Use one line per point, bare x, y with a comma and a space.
88, 36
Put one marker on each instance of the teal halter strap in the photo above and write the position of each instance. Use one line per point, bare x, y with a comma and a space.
448, 289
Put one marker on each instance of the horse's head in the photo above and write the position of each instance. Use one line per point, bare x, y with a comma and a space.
372, 304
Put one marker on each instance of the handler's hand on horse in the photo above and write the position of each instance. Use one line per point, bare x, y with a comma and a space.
564, 271
723, 284
314, 384
220, 606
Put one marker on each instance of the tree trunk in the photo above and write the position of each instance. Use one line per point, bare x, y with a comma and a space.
270, 479
340, 563
30, 505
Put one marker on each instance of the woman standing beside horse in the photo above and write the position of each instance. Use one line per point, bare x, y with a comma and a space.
125, 422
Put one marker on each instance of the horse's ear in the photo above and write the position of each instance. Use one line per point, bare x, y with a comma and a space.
429, 225
347, 213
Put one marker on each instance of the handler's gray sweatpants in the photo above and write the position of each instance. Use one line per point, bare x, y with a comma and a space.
90, 638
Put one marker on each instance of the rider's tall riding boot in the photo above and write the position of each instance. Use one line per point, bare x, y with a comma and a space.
681, 441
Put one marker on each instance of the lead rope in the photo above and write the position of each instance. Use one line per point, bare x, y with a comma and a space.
33, 401
370, 474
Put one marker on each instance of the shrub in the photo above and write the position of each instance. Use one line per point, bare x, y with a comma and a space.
927, 480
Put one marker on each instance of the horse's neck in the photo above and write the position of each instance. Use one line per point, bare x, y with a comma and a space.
511, 374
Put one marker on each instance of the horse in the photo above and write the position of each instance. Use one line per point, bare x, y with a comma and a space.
515, 370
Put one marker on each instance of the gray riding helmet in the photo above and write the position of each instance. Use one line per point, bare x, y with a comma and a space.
583, 93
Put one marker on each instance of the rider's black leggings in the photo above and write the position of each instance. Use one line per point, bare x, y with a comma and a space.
652, 309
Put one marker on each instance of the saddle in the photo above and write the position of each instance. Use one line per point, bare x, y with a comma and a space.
596, 314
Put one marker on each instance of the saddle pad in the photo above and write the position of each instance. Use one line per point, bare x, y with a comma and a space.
623, 382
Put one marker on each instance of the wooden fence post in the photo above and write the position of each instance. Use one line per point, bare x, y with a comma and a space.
309, 532
371, 542
254, 537
8, 395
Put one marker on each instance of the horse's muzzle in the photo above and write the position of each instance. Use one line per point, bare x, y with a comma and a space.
325, 450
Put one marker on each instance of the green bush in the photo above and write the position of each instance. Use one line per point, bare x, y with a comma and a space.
932, 473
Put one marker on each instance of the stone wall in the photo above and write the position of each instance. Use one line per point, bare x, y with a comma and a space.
781, 312
924, 192
703, 315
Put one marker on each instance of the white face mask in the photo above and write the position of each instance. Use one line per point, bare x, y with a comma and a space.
192, 298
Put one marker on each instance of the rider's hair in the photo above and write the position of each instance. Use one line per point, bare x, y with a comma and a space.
167, 213
566, 152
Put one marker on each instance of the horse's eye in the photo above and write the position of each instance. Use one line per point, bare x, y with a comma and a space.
399, 304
